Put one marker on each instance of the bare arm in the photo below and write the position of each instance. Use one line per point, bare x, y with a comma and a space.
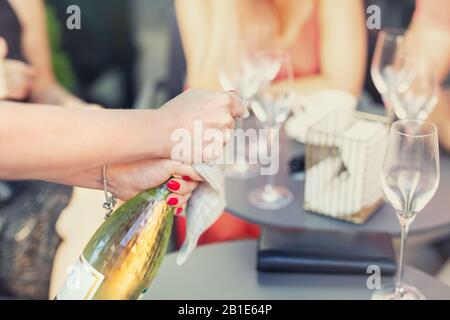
343, 48
35, 43
194, 22
39, 141
205, 27
342, 43
40, 138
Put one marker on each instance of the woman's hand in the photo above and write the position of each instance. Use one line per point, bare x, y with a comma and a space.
208, 109
18, 78
127, 180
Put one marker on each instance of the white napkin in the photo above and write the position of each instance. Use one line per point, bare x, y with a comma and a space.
204, 208
316, 106
206, 203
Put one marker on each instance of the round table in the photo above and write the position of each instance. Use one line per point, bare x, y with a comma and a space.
228, 271
435, 217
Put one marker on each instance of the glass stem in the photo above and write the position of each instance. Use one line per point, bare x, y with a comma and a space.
270, 178
404, 234
239, 125
389, 109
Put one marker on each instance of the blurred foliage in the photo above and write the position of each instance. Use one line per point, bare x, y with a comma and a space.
61, 63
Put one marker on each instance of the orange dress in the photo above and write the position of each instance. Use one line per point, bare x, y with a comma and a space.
305, 59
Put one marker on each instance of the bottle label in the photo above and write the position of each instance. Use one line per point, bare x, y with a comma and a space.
82, 282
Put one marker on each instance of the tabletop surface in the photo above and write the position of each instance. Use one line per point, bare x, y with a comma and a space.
228, 271
435, 216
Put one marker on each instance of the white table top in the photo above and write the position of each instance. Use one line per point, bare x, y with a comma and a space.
228, 271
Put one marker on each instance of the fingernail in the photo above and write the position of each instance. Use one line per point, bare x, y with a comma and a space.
179, 211
186, 178
172, 201
173, 185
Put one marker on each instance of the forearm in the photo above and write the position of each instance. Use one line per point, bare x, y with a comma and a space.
40, 138
86, 178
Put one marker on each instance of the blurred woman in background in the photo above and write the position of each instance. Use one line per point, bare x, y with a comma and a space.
29, 77
28, 67
430, 38
429, 34
326, 39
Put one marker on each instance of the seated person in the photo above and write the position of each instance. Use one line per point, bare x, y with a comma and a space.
28, 77
430, 35
326, 39
28, 66
430, 32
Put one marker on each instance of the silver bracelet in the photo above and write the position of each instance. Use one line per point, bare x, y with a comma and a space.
110, 199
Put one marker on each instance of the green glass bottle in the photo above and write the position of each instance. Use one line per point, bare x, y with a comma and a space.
125, 253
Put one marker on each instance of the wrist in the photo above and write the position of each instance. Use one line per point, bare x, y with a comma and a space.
161, 127
112, 180
154, 134
88, 178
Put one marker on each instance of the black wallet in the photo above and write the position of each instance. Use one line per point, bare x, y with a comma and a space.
312, 251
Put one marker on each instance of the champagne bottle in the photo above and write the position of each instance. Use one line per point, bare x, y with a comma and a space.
125, 253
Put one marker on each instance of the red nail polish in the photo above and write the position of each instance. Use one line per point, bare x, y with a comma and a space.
173, 185
172, 201
186, 178
179, 211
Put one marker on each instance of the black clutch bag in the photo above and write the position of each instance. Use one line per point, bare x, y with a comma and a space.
308, 251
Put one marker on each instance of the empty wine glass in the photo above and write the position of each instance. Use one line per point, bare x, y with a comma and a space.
410, 178
390, 42
414, 88
271, 107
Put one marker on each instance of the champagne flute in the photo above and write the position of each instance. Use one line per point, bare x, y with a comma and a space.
414, 92
410, 178
240, 72
243, 78
271, 107
390, 42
